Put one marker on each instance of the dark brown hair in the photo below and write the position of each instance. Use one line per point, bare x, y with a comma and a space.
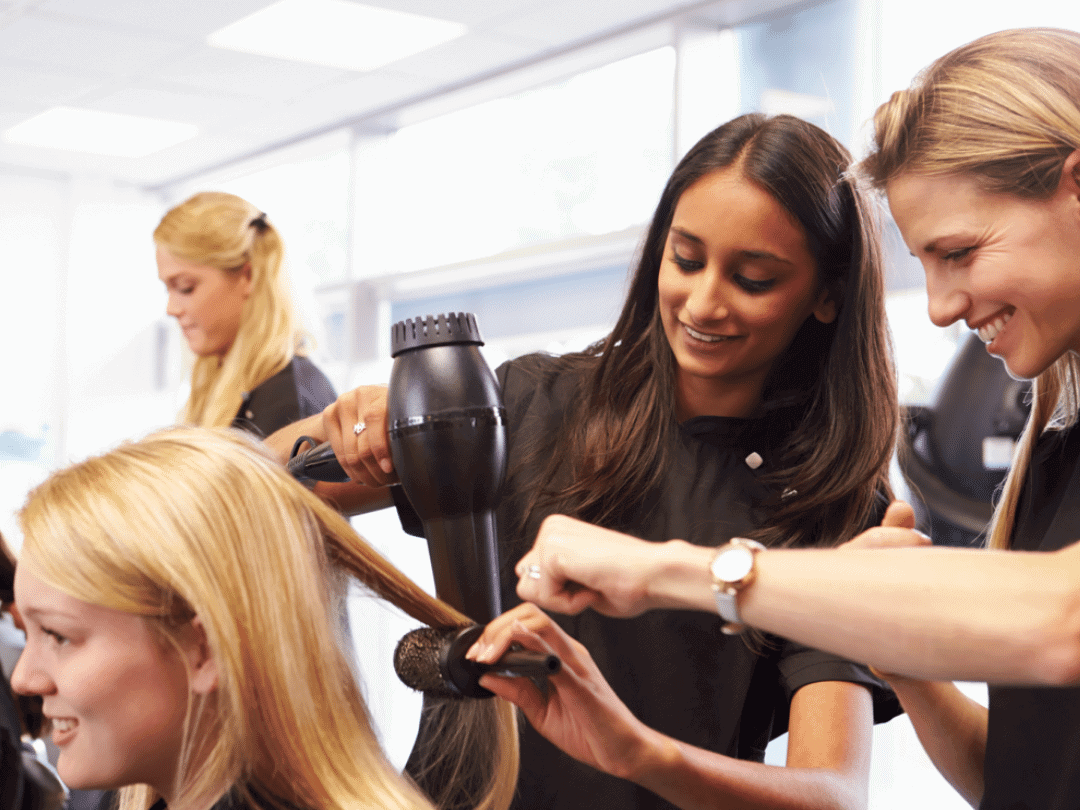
837, 377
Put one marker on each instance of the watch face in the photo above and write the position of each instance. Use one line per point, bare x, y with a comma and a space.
733, 564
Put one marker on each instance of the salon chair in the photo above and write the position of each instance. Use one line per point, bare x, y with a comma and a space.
956, 452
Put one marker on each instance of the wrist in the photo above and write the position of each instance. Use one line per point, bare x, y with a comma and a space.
733, 569
655, 758
680, 577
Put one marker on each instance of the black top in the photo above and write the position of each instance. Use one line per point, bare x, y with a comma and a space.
297, 391
675, 670
1033, 736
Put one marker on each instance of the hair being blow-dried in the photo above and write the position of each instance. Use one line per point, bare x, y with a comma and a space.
840, 374
1005, 111
224, 231
192, 522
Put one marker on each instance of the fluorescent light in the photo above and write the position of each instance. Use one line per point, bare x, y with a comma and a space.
335, 33
99, 133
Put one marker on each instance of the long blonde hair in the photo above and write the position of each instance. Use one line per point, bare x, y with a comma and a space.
227, 232
198, 523
1005, 110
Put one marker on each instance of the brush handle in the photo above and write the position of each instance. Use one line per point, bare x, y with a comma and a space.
525, 664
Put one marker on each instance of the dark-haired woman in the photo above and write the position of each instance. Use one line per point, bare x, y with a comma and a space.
746, 390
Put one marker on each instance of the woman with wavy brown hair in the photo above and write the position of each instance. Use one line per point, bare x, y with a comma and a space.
746, 389
180, 597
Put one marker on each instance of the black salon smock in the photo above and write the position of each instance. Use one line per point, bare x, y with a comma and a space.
675, 670
1033, 737
297, 391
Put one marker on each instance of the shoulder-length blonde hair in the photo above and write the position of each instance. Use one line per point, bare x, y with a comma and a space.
1004, 110
198, 523
227, 232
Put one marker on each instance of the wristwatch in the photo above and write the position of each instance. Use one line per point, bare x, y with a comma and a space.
732, 570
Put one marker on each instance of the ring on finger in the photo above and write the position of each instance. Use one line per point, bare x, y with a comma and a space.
358, 428
533, 571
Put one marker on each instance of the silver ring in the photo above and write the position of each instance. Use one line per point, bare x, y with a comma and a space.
358, 428
533, 571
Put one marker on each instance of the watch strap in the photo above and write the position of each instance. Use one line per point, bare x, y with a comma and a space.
726, 591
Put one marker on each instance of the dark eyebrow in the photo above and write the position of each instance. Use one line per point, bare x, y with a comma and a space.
685, 234
764, 254
746, 254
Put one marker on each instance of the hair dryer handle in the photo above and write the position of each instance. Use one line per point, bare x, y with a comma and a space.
317, 464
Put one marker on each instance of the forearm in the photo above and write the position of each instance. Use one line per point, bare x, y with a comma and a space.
696, 779
678, 577
828, 759
281, 441
354, 499
952, 730
932, 613
938, 614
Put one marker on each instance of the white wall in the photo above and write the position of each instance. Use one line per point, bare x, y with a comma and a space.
79, 320
33, 235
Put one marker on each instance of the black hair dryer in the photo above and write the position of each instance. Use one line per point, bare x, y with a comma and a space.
447, 430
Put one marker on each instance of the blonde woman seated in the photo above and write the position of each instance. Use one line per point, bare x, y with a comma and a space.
180, 602
220, 259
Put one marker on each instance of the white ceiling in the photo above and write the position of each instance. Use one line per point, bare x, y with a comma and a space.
150, 58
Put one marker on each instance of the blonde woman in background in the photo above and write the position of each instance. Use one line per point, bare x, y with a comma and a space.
188, 650
220, 259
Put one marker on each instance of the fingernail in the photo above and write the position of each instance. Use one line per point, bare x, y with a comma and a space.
386, 465
473, 650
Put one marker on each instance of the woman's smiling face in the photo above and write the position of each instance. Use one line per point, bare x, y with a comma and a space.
115, 691
736, 283
1008, 266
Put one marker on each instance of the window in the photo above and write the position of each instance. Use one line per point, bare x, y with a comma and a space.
588, 155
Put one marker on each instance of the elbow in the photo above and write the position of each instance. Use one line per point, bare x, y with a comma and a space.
835, 790
851, 793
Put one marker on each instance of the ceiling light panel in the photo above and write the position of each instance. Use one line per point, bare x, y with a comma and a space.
83, 48
99, 133
335, 33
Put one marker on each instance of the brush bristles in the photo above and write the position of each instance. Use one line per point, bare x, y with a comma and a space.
416, 661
